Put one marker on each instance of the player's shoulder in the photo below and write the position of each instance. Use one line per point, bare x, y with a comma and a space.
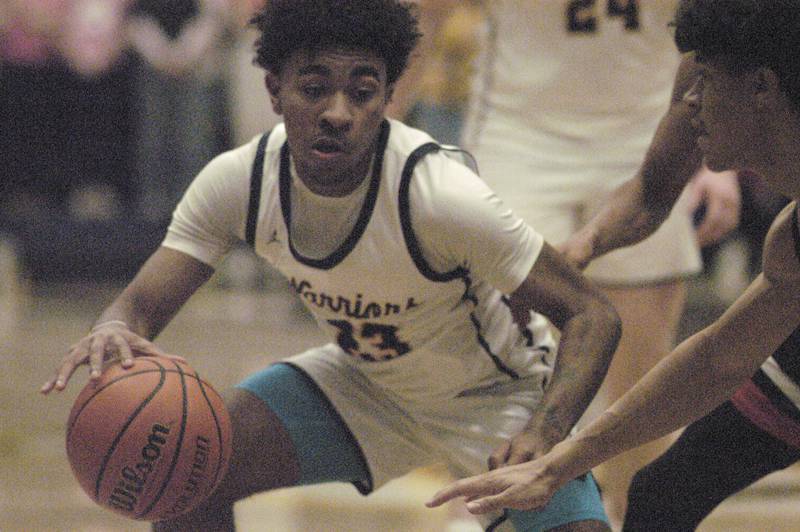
411, 146
782, 247
236, 164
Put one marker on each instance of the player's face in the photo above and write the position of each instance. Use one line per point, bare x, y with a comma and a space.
333, 102
726, 120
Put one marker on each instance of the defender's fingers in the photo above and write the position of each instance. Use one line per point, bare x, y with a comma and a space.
490, 503
468, 487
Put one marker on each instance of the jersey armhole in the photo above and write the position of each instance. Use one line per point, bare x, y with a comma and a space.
405, 207
256, 176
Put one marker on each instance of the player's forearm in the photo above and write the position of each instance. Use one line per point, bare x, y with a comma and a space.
672, 395
701, 373
159, 290
588, 341
625, 220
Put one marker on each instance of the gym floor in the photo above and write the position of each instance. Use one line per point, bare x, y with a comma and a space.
226, 333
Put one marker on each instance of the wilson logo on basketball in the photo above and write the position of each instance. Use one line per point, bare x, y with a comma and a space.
129, 487
197, 477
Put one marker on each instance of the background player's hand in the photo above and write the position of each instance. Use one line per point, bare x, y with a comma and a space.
522, 487
524, 447
109, 340
578, 249
717, 199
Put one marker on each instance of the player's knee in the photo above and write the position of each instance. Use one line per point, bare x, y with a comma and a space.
263, 455
207, 516
589, 525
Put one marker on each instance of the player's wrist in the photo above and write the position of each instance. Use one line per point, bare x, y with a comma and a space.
108, 323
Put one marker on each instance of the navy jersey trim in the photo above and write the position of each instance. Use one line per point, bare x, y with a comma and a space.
796, 230
497, 522
364, 216
256, 176
775, 395
405, 217
412, 244
481, 340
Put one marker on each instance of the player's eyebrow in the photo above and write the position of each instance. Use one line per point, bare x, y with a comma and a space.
314, 69
365, 71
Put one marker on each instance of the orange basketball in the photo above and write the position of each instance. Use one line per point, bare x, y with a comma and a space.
150, 442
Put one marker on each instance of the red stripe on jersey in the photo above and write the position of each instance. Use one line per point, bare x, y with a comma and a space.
755, 406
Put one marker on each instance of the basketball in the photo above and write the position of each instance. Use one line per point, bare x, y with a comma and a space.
149, 442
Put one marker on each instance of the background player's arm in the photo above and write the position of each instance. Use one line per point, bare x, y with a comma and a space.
590, 330
639, 206
138, 314
431, 15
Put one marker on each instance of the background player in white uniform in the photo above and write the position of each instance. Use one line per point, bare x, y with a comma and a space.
566, 99
420, 274
744, 112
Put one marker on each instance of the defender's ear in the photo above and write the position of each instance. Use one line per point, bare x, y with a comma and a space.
767, 88
273, 84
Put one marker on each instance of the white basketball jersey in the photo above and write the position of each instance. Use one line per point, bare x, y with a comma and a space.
571, 82
421, 334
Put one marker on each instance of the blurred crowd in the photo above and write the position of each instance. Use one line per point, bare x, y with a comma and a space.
110, 107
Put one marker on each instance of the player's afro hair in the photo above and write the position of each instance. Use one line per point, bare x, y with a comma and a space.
387, 28
745, 34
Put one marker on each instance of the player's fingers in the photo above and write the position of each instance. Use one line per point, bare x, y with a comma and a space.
48, 386
518, 456
64, 373
144, 347
125, 351
97, 353
500, 455
490, 503
467, 487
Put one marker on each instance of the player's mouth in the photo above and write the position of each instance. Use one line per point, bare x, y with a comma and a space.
327, 148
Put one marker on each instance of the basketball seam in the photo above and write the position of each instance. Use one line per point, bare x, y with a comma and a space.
114, 444
178, 447
106, 385
216, 423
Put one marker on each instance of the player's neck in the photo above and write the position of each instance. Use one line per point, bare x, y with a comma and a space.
779, 155
341, 185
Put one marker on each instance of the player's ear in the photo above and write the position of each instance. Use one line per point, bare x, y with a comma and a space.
766, 87
273, 84
389, 92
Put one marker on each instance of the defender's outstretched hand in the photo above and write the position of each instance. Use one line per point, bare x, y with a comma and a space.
524, 486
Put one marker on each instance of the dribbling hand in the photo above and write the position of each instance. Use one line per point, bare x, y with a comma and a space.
105, 341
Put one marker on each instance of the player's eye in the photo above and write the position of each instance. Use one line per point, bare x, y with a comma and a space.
363, 94
313, 91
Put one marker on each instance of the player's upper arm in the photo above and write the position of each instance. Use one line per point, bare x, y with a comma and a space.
558, 290
673, 156
161, 287
460, 222
210, 218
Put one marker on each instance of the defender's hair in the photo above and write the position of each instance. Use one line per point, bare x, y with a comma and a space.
387, 28
745, 34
